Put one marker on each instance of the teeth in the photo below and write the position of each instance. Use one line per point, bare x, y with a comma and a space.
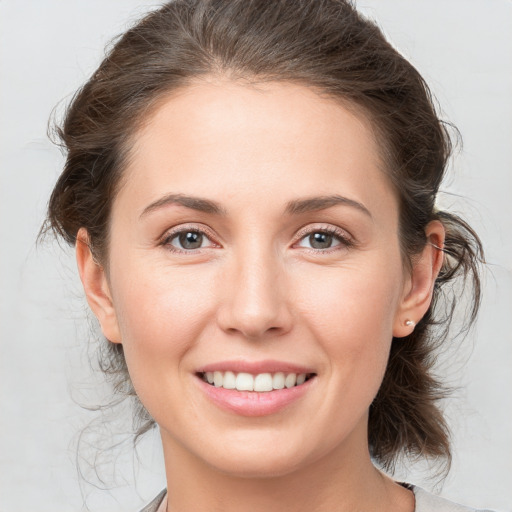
261, 383
229, 381
278, 380
290, 380
244, 382
217, 379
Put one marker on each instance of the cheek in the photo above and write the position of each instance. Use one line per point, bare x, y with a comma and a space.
351, 311
354, 298
161, 314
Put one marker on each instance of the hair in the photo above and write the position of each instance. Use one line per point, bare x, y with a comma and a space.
323, 44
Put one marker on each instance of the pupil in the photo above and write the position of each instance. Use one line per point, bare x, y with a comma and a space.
320, 240
191, 240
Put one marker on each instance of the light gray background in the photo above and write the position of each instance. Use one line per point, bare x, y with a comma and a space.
48, 48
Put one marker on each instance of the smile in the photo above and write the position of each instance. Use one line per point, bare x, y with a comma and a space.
260, 383
255, 389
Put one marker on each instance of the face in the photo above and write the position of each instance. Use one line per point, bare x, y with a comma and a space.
254, 242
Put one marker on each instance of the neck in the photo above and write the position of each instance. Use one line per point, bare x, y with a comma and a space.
341, 481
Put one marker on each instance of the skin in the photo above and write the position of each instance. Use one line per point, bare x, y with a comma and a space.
256, 289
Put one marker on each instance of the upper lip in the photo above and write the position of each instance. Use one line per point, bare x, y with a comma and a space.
254, 367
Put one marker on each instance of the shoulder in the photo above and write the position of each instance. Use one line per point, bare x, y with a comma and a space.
427, 502
155, 503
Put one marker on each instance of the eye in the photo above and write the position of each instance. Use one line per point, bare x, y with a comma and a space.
186, 240
324, 239
319, 240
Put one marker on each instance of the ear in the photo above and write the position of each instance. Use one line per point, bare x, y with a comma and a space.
419, 285
96, 287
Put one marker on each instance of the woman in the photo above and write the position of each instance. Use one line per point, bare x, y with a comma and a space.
250, 187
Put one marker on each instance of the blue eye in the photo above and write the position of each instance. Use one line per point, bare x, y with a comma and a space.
323, 239
188, 240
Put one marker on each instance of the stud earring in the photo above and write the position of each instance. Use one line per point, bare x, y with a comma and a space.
409, 323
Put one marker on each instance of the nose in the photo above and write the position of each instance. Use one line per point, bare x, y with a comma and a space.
255, 303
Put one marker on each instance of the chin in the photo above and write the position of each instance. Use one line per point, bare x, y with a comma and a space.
259, 460
256, 467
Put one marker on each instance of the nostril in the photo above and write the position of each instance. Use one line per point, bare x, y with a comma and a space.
255, 311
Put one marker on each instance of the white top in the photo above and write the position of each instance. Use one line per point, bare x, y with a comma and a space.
425, 502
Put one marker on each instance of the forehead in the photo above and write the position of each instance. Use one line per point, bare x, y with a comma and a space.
221, 138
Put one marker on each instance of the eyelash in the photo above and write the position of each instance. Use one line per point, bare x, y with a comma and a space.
170, 236
346, 241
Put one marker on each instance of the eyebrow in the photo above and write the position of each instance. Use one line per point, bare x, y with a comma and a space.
295, 207
194, 203
312, 204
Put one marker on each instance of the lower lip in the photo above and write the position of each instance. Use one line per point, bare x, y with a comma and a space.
253, 403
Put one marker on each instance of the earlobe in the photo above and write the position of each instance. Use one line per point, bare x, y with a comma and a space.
96, 287
420, 284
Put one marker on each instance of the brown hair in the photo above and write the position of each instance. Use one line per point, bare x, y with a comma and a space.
324, 44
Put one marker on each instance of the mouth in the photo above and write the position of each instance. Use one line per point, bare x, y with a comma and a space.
259, 383
256, 388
